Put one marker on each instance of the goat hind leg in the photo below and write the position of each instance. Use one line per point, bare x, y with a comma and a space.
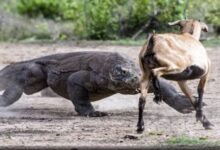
199, 113
144, 85
141, 105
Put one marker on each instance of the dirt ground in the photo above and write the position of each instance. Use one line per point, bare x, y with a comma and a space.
43, 121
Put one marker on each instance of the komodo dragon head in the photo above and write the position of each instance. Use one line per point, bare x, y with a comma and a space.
125, 76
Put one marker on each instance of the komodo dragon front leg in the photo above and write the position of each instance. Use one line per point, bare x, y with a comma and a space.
80, 85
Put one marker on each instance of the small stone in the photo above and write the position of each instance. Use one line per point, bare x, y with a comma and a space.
131, 137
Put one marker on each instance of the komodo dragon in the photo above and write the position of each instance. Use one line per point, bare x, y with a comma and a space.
81, 77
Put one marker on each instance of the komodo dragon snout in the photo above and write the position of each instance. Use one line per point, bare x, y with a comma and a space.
125, 75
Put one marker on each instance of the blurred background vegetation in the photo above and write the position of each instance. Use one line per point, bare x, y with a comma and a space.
99, 19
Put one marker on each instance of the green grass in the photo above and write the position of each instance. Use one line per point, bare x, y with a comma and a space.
127, 42
212, 42
189, 141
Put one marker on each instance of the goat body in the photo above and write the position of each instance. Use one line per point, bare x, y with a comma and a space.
169, 54
178, 57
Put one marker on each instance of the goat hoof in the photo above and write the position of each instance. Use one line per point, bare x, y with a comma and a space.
199, 115
208, 125
140, 129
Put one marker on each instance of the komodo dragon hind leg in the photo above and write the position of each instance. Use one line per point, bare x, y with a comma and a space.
10, 95
79, 95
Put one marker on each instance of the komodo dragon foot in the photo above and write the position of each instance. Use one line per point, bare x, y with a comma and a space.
96, 114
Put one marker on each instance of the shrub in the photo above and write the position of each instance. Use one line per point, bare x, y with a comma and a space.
104, 19
34, 8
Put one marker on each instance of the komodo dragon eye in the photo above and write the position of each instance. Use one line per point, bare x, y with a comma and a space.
124, 72
120, 71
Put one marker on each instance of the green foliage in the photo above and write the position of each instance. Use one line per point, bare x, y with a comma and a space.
99, 21
127, 42
208, 11
212, 42
213, 12
171, 10
103, 19
35, 8
114, 19
184, 140
8, 5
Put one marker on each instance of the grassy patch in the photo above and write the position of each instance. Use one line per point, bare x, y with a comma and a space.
156, 133
185, 140
128, 42
212, 42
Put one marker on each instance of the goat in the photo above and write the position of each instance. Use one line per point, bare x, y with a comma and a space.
178, 57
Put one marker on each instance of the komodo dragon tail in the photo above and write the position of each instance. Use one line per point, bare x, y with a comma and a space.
12, 92
3, 80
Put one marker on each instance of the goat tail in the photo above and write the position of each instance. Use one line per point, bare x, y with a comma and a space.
146, 51
147, 45
143, 51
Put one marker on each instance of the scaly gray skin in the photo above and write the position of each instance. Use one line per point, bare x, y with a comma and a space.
81, 77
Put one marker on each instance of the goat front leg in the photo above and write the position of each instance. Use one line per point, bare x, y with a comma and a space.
198, 106
187, 91
144, 86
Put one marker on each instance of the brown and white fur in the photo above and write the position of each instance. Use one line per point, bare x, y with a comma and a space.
178, 57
